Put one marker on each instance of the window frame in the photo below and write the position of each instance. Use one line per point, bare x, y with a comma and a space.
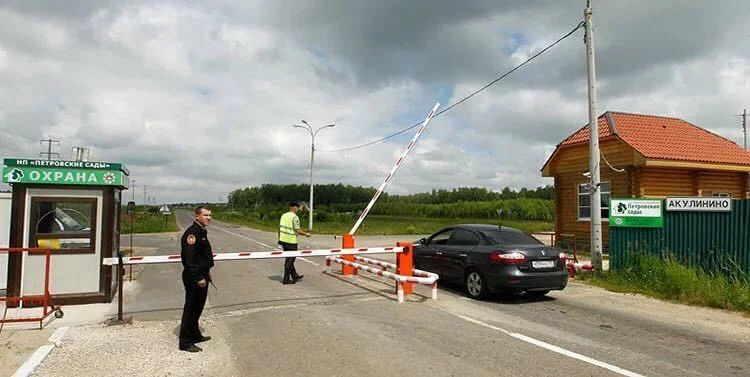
440, 233
500, 233
578, 201
34, 237
476, 237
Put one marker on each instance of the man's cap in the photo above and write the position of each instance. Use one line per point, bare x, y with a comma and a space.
293, 204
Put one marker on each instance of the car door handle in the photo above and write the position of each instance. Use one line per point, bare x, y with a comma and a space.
438, 253
463, 255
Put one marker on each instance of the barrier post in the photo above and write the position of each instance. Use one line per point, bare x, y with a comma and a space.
348, 243
405, 265
46, 282
120, 273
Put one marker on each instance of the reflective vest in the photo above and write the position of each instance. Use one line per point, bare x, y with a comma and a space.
286, 228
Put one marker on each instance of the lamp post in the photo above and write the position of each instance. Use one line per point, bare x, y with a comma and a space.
312, 158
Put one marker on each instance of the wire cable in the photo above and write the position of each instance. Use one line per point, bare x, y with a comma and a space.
493, 82
610, 165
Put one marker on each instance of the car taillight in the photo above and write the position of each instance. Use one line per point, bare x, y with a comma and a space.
512, 257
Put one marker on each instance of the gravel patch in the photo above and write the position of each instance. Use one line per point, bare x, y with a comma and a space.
137, 349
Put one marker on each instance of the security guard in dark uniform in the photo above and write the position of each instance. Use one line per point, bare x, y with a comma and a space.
197, 260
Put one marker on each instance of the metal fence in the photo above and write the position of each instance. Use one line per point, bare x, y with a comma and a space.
710, 240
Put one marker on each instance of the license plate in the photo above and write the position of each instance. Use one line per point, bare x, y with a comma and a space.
543, 264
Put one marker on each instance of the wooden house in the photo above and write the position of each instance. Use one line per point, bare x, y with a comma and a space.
643, 156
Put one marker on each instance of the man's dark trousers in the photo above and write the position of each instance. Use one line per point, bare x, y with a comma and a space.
289, 271
195, 300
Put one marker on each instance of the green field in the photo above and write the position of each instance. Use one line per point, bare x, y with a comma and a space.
379, 225
147, 220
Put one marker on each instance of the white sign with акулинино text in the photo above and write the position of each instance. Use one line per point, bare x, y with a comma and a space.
699, 204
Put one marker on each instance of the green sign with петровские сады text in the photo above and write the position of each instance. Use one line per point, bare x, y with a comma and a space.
23, 162
636, 213
56, 172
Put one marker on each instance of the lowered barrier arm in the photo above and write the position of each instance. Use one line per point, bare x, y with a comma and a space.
121, 261
405, 275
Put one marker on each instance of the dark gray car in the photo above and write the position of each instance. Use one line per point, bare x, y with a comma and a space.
488, 259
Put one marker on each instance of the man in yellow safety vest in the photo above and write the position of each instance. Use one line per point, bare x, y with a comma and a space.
289, 228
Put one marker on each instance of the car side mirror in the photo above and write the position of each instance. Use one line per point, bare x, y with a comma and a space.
424, 241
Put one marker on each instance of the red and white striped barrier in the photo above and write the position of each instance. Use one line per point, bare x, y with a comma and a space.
578, 267
255, 255
395, 167
387, 265
400, 279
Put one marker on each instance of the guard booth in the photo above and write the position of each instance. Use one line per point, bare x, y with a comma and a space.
72, 208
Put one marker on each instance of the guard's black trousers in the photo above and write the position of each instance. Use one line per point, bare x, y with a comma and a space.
289, 271
195, 300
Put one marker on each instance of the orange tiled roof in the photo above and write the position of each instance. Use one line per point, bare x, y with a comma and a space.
665, 138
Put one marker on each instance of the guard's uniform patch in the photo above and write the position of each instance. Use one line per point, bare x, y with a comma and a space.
191, 239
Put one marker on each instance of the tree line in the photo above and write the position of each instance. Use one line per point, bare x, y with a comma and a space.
336, 194
473, 194
275, 194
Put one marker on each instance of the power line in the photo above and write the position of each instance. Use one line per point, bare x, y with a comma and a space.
463, 99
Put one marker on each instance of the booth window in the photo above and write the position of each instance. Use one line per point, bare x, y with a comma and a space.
65, 225
584, 201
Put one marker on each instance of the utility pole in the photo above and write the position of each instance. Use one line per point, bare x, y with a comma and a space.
596, 204
744, 133
132, 186
49, 148
744, 125
312, 158
145, 195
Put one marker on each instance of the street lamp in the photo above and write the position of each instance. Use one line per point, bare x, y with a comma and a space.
312, 157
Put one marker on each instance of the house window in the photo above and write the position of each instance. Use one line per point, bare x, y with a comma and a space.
65, 225
584, 201
722, 194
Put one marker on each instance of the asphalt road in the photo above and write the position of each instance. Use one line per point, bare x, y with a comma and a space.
326, 325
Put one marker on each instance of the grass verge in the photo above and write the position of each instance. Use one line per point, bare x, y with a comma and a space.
379, 225
665, 278
147, 222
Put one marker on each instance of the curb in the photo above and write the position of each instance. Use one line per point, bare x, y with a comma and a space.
41, 353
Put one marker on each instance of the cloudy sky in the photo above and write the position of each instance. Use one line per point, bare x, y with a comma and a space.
198, 98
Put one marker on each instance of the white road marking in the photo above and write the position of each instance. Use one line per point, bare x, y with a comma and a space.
258, 242
235, 313
551, 347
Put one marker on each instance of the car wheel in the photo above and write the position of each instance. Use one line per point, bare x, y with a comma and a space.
476, 286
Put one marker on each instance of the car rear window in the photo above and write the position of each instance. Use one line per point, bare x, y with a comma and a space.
511, 237
463, 237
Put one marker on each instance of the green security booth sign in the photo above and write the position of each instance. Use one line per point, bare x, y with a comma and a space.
62, 164
636, 213
57, 176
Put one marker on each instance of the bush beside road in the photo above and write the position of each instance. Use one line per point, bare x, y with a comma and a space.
147, 219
